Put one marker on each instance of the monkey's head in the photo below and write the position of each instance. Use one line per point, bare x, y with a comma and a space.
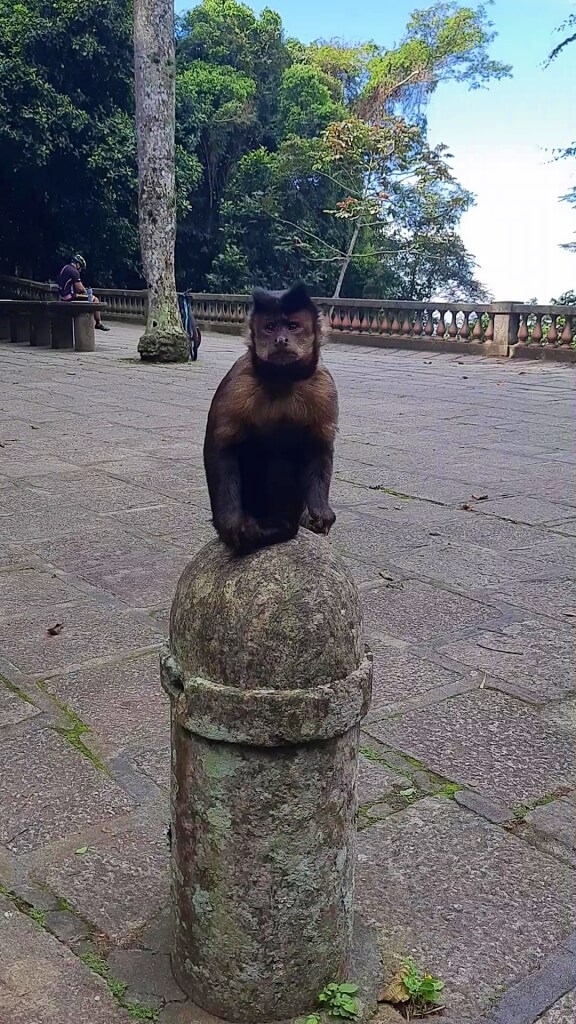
285, 332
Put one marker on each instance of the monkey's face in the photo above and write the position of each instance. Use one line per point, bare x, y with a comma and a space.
282, 339
284, 329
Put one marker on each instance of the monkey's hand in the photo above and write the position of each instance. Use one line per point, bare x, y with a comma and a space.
246, 534
318, 520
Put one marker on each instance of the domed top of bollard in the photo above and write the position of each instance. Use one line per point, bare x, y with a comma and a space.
286, 617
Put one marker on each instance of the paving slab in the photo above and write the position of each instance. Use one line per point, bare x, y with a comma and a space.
14, 705
122, 881
400, 675
49, 788
174, 519
122, 700
538, 656
488, 741
470, 565
154, 762
415, 611
554, 598
102, 541
42, 982
89, 632
563, 1012
32, 588
142, 582
552, 828
478, 907
528, 510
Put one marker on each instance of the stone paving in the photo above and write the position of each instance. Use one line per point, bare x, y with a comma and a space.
456, 501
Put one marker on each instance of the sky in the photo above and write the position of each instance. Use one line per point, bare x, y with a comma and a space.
502, 138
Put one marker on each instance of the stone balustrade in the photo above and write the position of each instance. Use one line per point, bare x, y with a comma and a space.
494, 329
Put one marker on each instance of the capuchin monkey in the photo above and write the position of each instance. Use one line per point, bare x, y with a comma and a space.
271, 427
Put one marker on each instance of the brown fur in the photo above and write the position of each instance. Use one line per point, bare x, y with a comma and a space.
312, 402
269, 441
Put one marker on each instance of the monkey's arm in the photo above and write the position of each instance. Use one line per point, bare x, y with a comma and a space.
317, 475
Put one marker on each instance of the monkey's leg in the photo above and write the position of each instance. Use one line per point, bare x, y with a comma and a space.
317, 475
224, 476
234, 514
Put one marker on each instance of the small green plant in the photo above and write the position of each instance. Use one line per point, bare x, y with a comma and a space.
37, 915
96, 964
424, 989
449, 790
140, 1011
339, 1000
415, 994
117, 988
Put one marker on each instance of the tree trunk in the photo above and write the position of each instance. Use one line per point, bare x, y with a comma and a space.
346, 262
164, 339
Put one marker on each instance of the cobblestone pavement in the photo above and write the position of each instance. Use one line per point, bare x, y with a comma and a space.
456, 508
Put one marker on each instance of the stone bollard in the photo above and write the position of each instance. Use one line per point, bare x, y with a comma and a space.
268, 678
84, 338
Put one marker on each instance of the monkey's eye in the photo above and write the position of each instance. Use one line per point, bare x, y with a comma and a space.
270, 328
293, 326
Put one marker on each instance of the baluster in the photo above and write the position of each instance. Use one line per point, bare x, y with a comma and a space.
452, 326
440, 326
345, 319
566, 337
489, 332
355, 321
523, 331
417, 325
552, 336
477, 329
537, 332
385, 322
429, 325
406, 328
464, 328
395, 327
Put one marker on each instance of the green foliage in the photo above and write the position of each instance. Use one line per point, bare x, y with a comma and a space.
292, 160
117, 988
424, 989
340, 1000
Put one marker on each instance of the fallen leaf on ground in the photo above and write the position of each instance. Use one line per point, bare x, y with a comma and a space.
81, 850
56, 629
395, 991
480, 497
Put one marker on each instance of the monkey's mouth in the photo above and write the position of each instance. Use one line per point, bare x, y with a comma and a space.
283, 355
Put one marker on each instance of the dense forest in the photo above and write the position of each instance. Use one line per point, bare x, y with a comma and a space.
293, 160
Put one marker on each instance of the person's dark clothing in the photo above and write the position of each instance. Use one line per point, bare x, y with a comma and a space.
66, 280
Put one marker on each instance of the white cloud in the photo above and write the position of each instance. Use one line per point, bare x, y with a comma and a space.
518, 222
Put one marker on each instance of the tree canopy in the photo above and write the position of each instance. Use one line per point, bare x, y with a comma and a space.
292, 160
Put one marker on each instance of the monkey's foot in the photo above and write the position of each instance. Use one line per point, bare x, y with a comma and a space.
248, 535
318, 522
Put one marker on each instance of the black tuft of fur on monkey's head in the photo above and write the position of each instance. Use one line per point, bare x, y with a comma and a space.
285, 333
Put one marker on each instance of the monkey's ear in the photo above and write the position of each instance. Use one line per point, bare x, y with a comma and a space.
296, 298
264, 301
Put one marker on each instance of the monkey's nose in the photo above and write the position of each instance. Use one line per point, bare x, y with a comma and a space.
281, 341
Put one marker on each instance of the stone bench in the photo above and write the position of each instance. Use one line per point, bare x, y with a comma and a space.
52, 324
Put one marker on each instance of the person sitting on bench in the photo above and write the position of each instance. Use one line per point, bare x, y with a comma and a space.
70, 287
